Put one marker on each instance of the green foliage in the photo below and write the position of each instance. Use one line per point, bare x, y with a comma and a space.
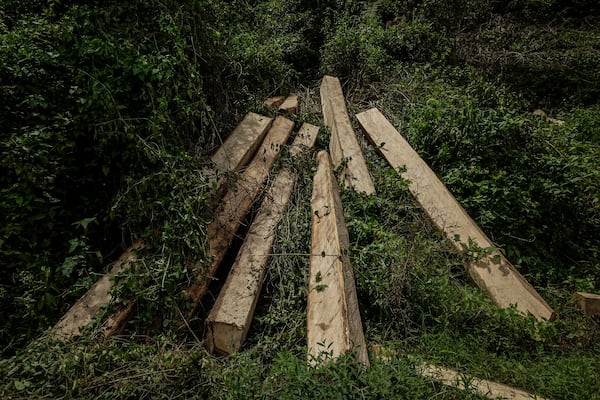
511, 170
371, 47
110, 109
107, 115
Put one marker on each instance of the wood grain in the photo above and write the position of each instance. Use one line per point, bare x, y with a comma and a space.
334, 326
493, 273
343, 145
235, 205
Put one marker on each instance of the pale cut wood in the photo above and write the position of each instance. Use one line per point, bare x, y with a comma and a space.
333, 318
450, 377
343, 145
588, 303
235, 205
98, 296
239, 147
229, 320
493, 273
305, 139
241, 144
274, 102
541, 113
290, 105
491, 390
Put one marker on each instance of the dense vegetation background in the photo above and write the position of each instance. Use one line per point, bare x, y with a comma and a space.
108, 110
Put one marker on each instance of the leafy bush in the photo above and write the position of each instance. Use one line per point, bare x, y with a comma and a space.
107, 113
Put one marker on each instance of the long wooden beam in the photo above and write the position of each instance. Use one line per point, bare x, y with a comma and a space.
235, 206
453, 378
229, 320
492, 272
242, 142
238, 148
489, 389
98, 296
343, 145
333, 318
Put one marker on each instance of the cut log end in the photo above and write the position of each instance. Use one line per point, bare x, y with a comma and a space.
290, 105
588, 303
274, 102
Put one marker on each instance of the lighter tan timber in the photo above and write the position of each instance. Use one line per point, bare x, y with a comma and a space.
229, 320
344, 146
333, 318
492, 273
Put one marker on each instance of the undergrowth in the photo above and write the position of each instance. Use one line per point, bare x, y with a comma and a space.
110, 110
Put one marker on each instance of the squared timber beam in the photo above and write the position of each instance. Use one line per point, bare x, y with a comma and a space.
343, 145
588, 303
493, 273
230, 318
235, 205
334, 326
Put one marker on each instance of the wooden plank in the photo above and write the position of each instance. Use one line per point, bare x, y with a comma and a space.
492, 273
239, 147
235, 205
333, 319
450, 377
241, 144
229, 320
290, 105
274, 102
305, 139
344, 146
588, 303
98, 296
489, 389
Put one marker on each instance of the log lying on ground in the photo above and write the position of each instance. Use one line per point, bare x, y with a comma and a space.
274, 102
450, 377
290, 105
343, 146
238, 148
588, 303
241, 144
492, 273
305, 139
235, 206
333, 319
491, 390
229, 320
98, 296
